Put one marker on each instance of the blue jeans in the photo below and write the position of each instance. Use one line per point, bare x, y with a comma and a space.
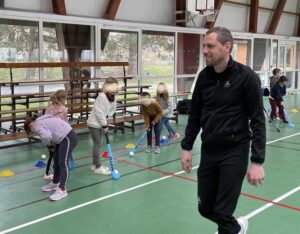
165, 121
156, 132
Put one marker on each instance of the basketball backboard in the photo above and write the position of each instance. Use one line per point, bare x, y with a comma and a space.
196, 6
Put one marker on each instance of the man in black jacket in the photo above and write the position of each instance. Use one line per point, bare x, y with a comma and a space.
226, 105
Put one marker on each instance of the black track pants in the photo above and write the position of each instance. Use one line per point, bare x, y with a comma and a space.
220, 177
61, 159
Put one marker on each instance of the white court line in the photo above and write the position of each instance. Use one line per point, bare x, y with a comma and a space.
278, 199
89, 203
255, 212
270, 142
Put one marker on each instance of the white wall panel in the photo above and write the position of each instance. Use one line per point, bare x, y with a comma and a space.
90, 8
146, 11
286, 25
268, 3
233, 17
35, 5
264, 18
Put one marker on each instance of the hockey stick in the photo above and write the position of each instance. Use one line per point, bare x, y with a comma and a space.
278, 130
114, 173
132, 151
290, 123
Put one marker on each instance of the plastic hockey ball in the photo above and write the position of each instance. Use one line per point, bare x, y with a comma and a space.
43, 156
164, 137
115, 174
131, 153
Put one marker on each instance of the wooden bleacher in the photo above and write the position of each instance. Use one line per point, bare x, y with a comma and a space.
35, 103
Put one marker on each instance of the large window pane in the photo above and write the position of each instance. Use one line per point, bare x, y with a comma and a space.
290, 76
241, 51
158, 59
261, 55
188, 53
275, 53
290, 63
119, 46
19, 43
68, 43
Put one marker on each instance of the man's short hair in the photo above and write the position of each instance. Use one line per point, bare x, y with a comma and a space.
223, 35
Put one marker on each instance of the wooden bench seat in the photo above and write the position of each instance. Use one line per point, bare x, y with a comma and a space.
119, 121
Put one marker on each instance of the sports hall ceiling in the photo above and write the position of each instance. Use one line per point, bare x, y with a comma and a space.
278, 17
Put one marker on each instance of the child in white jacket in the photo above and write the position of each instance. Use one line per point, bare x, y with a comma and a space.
104, 105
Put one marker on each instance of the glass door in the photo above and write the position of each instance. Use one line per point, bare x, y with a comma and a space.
284, 58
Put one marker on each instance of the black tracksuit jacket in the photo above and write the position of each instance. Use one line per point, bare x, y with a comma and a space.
226, 106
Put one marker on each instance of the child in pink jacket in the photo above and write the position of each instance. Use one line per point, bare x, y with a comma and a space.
57, 109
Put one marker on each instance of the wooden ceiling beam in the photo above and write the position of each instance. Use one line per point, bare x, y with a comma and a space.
276, 16
180, 13
112, 9
59, 7
218, 4
253, 16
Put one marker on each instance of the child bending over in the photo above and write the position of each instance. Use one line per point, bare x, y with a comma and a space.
152, 114
58, 135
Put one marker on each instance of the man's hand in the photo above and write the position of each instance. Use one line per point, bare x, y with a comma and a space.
255, 174
186, 161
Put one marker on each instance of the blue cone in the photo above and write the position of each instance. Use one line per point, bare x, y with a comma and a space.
164, 141
40, 164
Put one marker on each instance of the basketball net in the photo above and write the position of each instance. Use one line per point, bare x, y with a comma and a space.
196, 19
209, 14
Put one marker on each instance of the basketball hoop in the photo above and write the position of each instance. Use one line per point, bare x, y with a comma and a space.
210, 15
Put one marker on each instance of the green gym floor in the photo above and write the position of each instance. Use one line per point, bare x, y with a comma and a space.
154, 195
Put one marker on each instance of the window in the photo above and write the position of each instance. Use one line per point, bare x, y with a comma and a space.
67, 43
19, 43
119, 46
241, 51
158, 58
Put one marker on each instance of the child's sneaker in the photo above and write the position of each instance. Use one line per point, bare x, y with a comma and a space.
50, 187
59, 194
175, 136
148, 149
157, 150
103, 170
48, 177
243, 222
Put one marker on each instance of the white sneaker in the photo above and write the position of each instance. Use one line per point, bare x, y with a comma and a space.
59, 194
148, 149
157, 150
48, 177
243, 222
103, 170
50, 187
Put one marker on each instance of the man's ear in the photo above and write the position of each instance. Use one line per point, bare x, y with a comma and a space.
228, 46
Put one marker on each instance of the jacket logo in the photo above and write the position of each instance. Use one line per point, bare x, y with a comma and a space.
227, 84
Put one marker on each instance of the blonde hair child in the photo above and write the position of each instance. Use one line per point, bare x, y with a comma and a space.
162, 96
